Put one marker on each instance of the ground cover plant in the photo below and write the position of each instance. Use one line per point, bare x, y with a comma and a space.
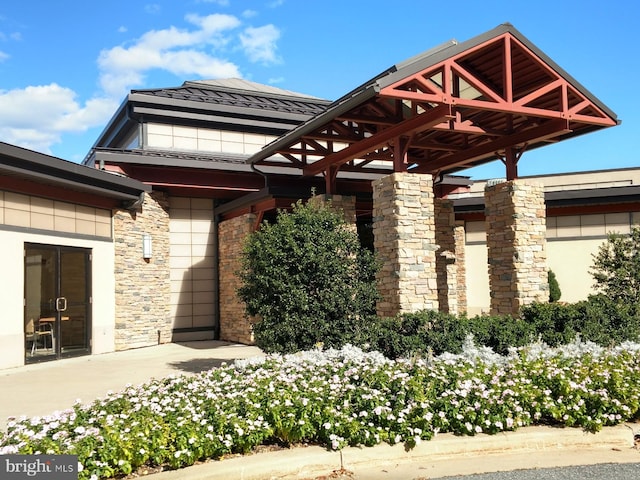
337, 398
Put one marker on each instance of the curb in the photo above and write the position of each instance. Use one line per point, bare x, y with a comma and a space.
307, 462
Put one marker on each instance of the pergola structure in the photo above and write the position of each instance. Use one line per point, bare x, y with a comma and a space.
454, 107
450, 108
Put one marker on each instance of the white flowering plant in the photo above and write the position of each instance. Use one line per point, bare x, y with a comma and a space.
336, 398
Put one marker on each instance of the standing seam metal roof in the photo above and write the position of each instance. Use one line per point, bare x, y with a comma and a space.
235, 92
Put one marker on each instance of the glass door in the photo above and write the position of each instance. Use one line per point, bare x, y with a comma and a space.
57, 302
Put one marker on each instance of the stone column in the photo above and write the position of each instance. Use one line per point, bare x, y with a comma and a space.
404, 238
346, 204
516, 225
461, 266
142, 286
450, 259
235, 324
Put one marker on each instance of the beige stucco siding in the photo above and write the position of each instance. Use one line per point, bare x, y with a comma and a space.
571, 243
12, 292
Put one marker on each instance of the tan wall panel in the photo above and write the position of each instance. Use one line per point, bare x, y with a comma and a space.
192, 264
27, 211
477, 279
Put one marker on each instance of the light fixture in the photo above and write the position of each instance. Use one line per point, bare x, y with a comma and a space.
146, 246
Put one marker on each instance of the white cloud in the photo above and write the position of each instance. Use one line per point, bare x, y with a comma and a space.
58, 112
37, 117
122, 29
260, 43
179, 51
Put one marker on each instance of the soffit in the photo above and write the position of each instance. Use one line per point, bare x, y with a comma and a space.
24, 165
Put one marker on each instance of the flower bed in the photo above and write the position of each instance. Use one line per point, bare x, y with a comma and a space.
336, 398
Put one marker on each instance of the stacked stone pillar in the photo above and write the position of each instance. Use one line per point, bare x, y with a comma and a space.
142, 285
345, 204
235, 324
404, 239
516, 242
450, 260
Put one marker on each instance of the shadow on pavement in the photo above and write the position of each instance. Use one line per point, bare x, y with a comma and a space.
197, 365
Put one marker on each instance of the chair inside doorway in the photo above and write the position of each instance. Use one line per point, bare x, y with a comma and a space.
39, 337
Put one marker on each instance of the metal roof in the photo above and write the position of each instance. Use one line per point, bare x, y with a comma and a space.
242, 94
17, 162
453, 107
231, 103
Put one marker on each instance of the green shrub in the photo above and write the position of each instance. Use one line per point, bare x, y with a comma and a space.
606, 321
553, 323
430, 332
554, 287
616, 267
500, 332
308, 280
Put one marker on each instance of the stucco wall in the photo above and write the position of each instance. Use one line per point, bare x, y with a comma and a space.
12, 342
571, 242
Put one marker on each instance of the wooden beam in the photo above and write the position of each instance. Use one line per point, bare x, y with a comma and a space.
407, 127
548, 130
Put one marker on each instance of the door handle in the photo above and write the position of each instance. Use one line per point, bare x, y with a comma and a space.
61, 304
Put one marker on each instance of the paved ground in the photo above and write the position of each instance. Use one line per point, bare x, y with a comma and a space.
44, 388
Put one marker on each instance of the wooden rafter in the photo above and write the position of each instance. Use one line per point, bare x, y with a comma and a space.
485, 101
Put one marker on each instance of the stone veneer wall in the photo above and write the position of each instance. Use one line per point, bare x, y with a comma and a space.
404, 238
516, 224
450, 260
235, 325
142, 287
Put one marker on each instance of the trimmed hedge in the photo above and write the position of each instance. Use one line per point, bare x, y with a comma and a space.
425, 333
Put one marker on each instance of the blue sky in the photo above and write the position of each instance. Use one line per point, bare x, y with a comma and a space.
65, 65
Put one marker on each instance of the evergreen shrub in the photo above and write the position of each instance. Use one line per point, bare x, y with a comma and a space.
308, 281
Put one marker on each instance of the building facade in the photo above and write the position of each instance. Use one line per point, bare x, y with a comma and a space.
216, 158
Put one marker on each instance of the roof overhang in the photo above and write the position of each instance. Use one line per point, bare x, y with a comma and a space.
27, 171
454, 107
565, 199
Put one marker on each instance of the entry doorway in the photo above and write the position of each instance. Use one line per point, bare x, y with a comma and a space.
57, 301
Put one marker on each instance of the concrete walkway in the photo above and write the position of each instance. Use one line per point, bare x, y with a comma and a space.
44, 388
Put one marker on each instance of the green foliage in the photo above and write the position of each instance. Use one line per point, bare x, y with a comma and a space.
335, 398
554, 287
554, 323
429, 332
616, 267
598, 319
308, 280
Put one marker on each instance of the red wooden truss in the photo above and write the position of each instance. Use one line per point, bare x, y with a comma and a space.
455, 107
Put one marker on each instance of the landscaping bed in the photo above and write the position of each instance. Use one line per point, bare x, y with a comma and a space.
336, 398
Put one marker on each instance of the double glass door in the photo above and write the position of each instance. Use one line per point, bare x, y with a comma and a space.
57, 302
